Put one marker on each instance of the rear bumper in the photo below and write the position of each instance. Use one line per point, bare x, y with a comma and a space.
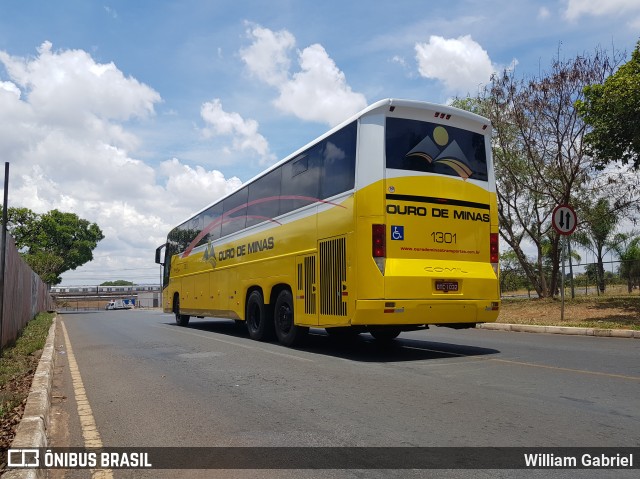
389, 312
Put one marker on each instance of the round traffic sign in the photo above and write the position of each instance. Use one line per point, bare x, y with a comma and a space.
564, 219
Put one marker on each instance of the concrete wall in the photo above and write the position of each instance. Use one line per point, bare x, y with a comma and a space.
149, 300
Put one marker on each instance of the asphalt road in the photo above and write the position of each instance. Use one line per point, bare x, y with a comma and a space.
152, 383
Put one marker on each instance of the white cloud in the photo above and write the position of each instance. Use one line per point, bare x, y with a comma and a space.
111, 12
10, 87
268, 56
188, 186
543, 13
318, 92
69, 86
460, 63
63, 130
576, 8
399, 60
245, 132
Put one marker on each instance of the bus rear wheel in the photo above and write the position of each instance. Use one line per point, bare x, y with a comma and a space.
181, 319
288, 333
259, 322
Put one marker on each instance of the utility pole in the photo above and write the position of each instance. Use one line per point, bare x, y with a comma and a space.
3, 248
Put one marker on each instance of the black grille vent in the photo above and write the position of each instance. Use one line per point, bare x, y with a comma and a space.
333, 276
309, 285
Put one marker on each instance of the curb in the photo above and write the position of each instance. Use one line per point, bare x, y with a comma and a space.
569, 330
32, 430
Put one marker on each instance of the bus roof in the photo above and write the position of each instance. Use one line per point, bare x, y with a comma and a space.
374, 108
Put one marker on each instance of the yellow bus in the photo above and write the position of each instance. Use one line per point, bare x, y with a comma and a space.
386, 223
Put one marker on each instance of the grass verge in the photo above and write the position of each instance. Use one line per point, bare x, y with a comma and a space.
17, 367
603, 312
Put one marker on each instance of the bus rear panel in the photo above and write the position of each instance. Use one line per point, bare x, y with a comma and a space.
434, 236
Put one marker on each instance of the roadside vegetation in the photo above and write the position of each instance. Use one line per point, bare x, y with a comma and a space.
616, 309
566, 135
54, 242
17, 367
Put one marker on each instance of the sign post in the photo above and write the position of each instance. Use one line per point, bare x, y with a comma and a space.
564, 221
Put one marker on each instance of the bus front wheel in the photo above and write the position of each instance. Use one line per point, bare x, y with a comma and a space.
259, 323
181, 319
288, 333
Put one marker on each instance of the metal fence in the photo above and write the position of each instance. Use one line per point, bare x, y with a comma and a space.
25, 294
620, 277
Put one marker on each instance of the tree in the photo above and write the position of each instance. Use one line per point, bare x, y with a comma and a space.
629, 253
612, 109
45, 264
21, 224
118, 282
598, 235
540, 159
53, 242
512, 277
591, 272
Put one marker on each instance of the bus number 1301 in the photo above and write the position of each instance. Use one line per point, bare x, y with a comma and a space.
440, 237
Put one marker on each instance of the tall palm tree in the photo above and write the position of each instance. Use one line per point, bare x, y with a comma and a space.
629, 254
598, 236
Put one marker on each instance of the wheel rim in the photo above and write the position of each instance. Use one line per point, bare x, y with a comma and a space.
254, 316
284, 318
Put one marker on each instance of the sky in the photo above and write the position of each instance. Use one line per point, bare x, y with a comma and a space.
135, 115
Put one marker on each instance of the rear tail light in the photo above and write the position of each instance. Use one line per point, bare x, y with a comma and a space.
378, 241
494, 247
378, 245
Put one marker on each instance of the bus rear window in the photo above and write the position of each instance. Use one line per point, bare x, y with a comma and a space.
428, 147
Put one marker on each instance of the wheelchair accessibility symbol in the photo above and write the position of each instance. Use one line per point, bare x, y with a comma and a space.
397, 232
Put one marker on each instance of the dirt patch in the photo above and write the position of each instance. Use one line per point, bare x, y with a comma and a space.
13, 398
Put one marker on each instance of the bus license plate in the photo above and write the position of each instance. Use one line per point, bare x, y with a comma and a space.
446, 286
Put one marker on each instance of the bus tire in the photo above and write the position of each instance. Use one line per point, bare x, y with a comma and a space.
288, 333
259, 322
385, 335
181, 319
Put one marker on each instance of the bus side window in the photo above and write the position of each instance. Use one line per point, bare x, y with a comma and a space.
264, 198
235, 212
211, 215
301, 180
339, 161
179, 238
